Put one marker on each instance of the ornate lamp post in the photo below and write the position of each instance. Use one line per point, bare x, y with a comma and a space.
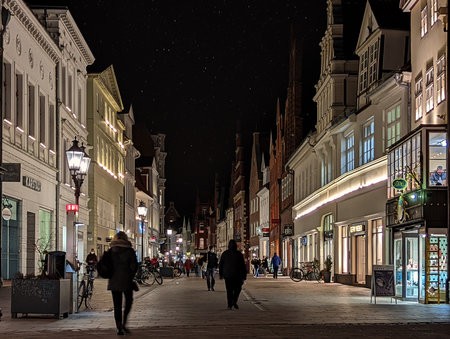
142, 212
169, 235
78, 162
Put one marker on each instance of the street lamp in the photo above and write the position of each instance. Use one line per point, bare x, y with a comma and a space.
169, 235
142, 212
78, 162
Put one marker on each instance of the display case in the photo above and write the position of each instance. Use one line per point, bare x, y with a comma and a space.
435, 269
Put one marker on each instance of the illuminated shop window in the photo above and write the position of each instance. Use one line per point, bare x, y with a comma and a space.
437, 159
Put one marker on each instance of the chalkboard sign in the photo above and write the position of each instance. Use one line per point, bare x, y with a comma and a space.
383, 281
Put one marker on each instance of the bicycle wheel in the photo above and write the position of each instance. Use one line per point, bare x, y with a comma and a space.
81, 294
158, 277
296, 274
315, 275
89, 291
147, 278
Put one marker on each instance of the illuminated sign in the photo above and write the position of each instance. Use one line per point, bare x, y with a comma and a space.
399, 184
72, 208
356, 228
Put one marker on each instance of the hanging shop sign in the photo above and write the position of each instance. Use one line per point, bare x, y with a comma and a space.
399, 184
266, 231
304, 240
11, 173
6, 214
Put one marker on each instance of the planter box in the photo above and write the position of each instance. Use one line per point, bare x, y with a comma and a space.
40, 296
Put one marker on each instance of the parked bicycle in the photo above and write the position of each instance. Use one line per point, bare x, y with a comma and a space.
306, 271
86, 287
148, 274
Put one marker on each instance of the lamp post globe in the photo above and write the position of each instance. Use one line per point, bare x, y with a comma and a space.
142, 212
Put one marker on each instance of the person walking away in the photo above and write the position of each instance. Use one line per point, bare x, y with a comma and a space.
265, 265
188, 266
211, 259
276, 262
125, 265
256, 263
232, 268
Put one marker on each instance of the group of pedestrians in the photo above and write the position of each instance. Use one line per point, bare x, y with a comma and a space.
262, 266
124, 265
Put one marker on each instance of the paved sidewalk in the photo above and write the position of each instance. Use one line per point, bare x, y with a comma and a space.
268, 308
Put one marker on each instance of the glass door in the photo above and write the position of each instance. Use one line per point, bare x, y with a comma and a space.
398, 264
412, 266
361, 259
406, 265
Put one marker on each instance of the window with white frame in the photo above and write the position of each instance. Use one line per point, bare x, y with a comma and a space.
424, 21
328, 235
419, 98
348, 153
433, 12
403, 157
440, 79
373, 63
368, 141
345, 249
377, 242
363, 63
393, 125
429, 94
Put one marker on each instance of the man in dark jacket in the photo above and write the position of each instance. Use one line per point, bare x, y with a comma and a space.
125, 265
211, 259
232, 269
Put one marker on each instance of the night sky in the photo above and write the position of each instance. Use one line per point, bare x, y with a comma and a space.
191, 69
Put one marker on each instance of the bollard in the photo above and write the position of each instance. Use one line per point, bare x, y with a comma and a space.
1, 314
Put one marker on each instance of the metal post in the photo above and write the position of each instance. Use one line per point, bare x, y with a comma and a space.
142, 233
5, 16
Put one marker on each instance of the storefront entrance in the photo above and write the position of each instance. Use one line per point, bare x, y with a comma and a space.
406, 264
360, 259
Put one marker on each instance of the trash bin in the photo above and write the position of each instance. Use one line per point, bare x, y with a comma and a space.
55, 263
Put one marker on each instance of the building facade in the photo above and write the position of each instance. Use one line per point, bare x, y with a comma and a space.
107, 171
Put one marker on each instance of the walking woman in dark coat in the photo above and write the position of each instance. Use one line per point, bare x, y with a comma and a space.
125, 265
232, 269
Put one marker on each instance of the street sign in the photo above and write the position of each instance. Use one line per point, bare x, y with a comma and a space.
6, 214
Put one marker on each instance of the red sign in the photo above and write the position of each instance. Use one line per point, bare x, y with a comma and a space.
72, 208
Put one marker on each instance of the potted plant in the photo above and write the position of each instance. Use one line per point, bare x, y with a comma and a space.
328, 263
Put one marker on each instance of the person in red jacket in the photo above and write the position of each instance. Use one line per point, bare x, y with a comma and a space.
188, 266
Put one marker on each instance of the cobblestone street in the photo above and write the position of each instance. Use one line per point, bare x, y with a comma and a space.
268, 308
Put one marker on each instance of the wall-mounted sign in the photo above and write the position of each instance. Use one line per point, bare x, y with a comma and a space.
12, 172
288, 230
304, 240
6, 214
356, 228
31, 183
72, 208
266, 231
399, 184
